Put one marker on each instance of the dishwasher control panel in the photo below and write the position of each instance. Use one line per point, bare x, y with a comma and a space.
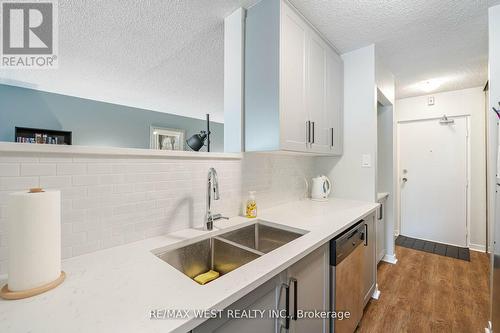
345, 243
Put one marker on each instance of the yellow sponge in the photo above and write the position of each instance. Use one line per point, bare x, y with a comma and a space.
207, 277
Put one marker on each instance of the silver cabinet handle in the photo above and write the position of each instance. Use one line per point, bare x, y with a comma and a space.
313, 132
295, 297
287, 306
366, 234
332, 144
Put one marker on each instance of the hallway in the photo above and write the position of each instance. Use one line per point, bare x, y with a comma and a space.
430, 293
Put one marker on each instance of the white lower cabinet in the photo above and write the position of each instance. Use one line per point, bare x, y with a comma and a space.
370, 259
268, 297
307, 282
380, 226
310, 278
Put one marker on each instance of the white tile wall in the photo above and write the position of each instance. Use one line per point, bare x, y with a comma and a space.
109, 201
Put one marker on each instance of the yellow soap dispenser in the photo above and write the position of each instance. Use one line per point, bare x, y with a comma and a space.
251, 207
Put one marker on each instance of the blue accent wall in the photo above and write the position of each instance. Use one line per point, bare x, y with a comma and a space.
93, 123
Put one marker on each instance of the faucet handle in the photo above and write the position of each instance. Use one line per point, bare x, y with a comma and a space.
216, 217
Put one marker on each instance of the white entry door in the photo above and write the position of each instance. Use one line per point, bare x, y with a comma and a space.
433, 174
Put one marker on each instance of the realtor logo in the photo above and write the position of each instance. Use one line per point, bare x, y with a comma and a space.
29, 34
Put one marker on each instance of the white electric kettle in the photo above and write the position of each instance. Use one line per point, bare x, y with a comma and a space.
321, 187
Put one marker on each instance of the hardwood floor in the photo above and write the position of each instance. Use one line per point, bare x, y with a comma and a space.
426, 292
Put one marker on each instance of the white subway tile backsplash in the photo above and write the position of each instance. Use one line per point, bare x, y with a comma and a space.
112, 241
99, 168
85, 248
109, 201
55, 181
100, 190
18, 183
86, 225
18, 158
87, 203
9, 169
57, 158
75, 238
3, 253
71, 169
38, 169
66, 252
123, 188
111, 179
85, 180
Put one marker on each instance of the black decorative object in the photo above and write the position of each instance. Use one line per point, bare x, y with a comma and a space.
42, 136
497, 111
196, 141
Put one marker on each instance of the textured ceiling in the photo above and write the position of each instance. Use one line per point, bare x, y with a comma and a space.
168, 55
418, 40
160, 55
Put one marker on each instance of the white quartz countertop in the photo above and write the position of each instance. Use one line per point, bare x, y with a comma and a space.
114, 290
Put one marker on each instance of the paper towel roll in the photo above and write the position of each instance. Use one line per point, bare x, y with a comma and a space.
34, 229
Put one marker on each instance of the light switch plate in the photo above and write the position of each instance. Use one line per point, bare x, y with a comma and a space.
366, 161
430, 100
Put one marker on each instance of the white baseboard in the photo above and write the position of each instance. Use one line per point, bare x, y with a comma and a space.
390, 258
376, 292
477, 247
488, 329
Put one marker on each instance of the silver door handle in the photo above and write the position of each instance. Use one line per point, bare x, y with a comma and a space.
405, 180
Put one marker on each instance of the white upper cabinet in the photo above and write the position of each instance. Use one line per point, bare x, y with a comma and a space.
316, 93
334, 102
293, 84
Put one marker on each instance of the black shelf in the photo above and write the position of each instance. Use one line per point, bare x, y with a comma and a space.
42, 136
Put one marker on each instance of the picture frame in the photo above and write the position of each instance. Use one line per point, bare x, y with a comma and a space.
163, 138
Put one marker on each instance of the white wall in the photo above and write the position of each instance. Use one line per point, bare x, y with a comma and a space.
234, 49
492, 119
384, 80
461, 102
386, 151
112, 200
386, 168
350, 179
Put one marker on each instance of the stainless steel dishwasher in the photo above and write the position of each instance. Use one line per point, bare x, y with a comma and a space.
346, 277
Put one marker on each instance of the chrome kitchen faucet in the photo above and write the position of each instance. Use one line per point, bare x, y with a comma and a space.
212, 189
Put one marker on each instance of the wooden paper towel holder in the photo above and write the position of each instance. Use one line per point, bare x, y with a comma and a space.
5, 293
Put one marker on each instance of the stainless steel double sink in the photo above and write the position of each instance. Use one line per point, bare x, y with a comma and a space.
228, 251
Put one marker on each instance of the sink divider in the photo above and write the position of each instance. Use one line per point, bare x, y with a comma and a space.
227, 241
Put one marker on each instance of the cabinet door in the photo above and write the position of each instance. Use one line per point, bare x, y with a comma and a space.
312, 276
370, 260
293, 112
334, 102
316, 92
266, 297
380, 226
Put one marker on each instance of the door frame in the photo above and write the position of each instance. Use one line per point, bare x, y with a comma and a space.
468, 168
